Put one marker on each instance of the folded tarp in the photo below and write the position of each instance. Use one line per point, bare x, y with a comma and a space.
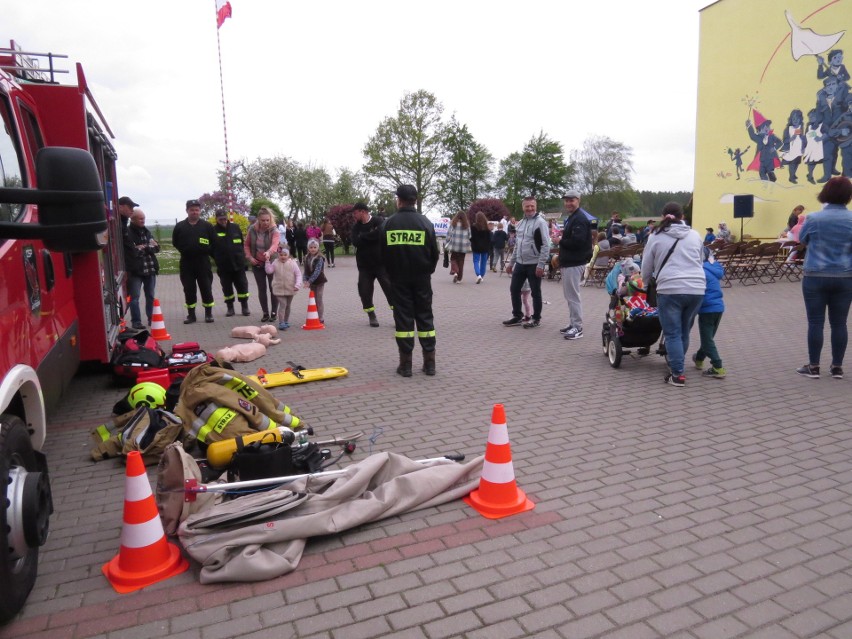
263, 535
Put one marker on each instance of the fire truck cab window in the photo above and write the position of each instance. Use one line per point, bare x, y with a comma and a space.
10, 163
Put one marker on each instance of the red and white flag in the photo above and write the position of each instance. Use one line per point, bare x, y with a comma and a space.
223, 12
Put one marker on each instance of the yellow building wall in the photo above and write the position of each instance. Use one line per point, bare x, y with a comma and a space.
748, 71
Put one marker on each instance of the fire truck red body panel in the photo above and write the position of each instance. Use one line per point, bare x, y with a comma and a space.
57, 310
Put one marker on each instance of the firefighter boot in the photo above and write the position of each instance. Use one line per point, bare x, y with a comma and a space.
374, 321
429, 362
246, 310
404, 367
230, 311
190, 317
208, 315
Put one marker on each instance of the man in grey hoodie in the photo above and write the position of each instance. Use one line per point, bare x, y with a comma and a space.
674, 256
532, 250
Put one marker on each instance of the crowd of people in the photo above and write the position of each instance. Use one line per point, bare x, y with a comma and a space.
401, 254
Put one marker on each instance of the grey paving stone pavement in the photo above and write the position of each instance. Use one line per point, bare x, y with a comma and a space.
721, 509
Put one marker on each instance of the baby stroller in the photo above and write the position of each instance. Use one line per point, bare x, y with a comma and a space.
629, 323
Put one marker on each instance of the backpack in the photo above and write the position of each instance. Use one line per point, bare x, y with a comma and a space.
134, 352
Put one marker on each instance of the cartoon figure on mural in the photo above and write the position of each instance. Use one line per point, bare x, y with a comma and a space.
834, 67
737, 158
767, 144
813, 143
830, 108
841, 133
828, 132
794, 143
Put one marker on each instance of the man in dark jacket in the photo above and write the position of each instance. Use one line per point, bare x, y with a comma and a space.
410, 254
230, 258
575, 251
367, 240
193, 238
140, 262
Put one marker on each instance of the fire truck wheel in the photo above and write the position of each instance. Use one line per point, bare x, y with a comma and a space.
18, 515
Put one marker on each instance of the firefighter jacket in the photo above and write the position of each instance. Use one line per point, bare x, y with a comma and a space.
228, 252
193, 240
409, 248
147, 430
216, 404
367, 240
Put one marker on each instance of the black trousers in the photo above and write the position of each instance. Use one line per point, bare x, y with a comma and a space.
196, 270
264, 282
412, 306
231, 280
366, 286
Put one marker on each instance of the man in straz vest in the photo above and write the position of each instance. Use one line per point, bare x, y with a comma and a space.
410, 254
230, 258
193, 238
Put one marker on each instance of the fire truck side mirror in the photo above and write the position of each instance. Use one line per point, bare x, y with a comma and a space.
70, 202
74, 201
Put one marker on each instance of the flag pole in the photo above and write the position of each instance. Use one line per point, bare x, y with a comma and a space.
228, 187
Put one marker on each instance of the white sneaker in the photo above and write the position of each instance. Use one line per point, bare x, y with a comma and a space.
478, 279
573, 333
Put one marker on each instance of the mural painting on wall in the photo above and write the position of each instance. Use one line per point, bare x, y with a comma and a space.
815, 141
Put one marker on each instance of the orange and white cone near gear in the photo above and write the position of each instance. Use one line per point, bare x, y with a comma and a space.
498, 494
158, 325
145, 556
312, 323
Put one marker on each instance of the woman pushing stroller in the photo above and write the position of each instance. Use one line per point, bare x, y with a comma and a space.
674, 257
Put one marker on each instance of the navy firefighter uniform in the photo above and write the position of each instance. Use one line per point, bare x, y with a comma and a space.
230, 258
195, 244
410, 255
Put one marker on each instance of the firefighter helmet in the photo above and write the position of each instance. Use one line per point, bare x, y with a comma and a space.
147, 394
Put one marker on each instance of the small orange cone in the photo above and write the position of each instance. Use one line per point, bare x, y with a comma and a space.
158, 325
145, 557
312, 323
498, 494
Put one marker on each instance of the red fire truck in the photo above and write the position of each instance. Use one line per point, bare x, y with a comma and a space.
61, 288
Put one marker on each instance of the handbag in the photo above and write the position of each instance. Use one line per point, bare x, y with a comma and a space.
446, 258
651, 288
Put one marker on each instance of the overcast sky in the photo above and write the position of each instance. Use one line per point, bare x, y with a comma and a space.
312, 80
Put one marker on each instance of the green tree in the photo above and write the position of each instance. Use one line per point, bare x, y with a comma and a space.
602, 174
349, 187
538, 171
407, 149
464, 174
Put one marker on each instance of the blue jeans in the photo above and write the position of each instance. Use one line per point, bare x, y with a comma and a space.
677, 314
834, 293
480, 263
520, 273
135, 284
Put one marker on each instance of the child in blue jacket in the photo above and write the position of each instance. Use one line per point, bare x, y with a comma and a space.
709, 317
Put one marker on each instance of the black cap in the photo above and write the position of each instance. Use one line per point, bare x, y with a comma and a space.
221, 213
407, 192
191, 203
360, 206
126, 201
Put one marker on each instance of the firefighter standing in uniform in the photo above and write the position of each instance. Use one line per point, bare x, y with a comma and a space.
366, 238
193, 238
410, 254
230, 258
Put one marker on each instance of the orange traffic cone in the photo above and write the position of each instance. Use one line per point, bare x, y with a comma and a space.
158, 325
145, 557
312, 323
498, 494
